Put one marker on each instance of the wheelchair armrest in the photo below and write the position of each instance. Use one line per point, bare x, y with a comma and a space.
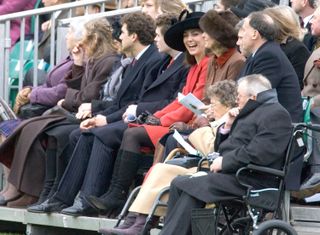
263, 169
256, 168
310, 126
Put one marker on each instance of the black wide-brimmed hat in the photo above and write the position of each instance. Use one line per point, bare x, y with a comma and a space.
251, 6
174, 35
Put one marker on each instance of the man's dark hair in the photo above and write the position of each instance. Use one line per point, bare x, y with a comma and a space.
142, 25
165, 21
264, 24
312, 3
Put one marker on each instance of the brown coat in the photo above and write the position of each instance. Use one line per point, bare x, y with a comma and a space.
14, 153
85, 82
227, 66
312, 78
22, 151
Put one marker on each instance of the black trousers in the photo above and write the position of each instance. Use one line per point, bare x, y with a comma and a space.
91, 164
178, 218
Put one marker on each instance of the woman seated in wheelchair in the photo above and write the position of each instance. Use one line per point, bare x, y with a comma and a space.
256, 132
222, 97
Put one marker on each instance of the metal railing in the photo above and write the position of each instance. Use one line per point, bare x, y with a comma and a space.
5, 40
57, 51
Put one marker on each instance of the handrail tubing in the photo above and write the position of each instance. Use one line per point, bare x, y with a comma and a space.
46, 10
116, 12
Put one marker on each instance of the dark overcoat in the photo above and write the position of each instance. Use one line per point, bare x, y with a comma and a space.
259, 135
270, 61
159, 90
132, 83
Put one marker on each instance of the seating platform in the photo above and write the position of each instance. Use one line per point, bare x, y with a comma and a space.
21, 221
305, 220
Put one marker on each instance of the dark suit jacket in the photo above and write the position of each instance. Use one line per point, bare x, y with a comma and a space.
298, 55
132, 83
163, 89
270, 61
159, 92
259, 135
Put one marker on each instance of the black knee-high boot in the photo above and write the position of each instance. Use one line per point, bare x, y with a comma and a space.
126, 167
50, 175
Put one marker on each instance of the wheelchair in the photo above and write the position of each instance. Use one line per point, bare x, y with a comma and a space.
260, 211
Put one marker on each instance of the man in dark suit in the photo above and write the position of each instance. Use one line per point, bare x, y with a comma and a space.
91, 164
264, 56
305, 10
256, 132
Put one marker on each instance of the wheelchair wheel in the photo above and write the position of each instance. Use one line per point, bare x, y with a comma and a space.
274, 227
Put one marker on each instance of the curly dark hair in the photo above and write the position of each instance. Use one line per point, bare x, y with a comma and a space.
142, 25
225, 91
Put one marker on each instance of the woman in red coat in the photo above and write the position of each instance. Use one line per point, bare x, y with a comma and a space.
183, 36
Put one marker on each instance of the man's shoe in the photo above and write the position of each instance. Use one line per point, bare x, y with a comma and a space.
308, 188
79, 207
48, 206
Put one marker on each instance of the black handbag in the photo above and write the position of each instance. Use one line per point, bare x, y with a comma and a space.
184, 160
32, 110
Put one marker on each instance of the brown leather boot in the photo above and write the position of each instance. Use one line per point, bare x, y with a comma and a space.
23, 201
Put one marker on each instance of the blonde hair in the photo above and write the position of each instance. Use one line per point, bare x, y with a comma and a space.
98, 38
287, 21
169, 6
172, 6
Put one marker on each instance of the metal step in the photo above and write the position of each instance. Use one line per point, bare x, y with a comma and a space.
306, 219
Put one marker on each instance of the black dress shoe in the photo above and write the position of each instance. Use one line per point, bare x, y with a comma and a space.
79, 207
48, 206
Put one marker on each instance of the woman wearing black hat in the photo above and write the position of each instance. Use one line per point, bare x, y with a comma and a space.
183, 36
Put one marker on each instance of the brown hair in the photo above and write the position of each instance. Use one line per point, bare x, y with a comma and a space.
142, 25
98, 38
165, 21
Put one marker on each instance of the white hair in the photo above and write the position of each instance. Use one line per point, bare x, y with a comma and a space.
255, 84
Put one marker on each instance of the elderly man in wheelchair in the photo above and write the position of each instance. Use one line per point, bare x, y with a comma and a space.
254, 139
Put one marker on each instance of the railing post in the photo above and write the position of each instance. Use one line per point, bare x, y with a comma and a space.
2, 59
7, 46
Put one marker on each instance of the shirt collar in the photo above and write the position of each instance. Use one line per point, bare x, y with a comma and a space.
306, 20
141, 52
221, 60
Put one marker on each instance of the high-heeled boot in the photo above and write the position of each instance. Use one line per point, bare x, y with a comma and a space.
135, 229
126, 167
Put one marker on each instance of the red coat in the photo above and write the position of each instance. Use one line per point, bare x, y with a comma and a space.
175, 112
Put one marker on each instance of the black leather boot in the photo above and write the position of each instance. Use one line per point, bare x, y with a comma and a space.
50, 175
126, 167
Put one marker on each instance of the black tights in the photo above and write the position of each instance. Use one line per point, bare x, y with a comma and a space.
134, 139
